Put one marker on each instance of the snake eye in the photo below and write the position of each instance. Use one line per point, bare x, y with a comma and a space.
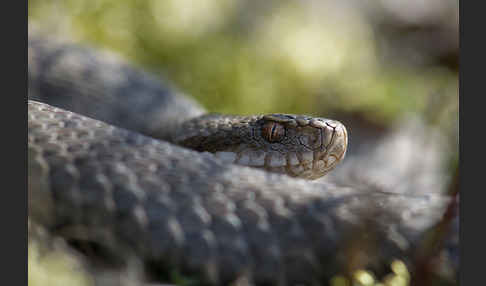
273, 131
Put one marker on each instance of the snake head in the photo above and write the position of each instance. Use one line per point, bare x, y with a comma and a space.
300, 146
296, 145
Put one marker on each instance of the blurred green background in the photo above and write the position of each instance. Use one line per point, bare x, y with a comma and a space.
374, 59
361, 60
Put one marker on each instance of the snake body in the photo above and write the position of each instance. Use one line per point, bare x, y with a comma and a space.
98, 180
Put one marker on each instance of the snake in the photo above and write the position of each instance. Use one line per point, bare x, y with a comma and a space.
122, 159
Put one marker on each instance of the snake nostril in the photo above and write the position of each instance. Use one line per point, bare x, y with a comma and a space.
312, 140
304, 140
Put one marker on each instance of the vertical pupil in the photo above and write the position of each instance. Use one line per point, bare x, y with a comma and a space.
272, 133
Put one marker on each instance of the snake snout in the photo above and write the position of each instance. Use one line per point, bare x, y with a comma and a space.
332, 151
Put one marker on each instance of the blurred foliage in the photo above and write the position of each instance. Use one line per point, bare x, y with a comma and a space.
257, 56
51, 268
398, 277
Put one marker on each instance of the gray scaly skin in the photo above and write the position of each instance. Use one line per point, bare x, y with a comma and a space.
91, 181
